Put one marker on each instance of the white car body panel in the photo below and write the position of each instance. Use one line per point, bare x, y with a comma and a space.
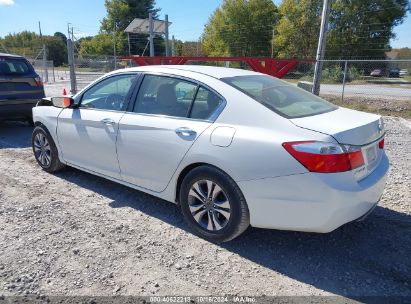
313, 202
47, 116
143, 151
222, 136
149, 149
344, 123
84, 130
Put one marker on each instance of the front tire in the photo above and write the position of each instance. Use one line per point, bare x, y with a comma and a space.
45, 150
213, 205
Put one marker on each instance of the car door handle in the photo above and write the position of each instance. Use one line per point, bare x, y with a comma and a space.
186, 132
107, 121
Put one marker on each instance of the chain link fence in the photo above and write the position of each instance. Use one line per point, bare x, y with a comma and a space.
45, 69
386, 83
89, 68
346, 80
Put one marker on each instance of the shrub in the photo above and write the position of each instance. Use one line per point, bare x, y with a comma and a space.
333, 73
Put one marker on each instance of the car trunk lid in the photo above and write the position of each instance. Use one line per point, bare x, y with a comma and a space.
349, 127
345, 125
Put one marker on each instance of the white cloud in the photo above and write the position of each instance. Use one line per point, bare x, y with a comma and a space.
6, 2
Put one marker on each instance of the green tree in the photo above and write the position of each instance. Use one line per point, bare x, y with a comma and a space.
101, 44
25, 43
357, 28
241, 28
297, 31
30, 44
363, 28
61, 36
179, 47
120, 13
56, 50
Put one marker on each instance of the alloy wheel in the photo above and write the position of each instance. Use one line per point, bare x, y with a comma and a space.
209, 205
42, 149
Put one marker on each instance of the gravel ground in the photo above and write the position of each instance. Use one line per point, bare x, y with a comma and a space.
76, 234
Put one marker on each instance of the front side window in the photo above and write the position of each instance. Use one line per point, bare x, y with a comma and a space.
280, 97
163, 95
109, 94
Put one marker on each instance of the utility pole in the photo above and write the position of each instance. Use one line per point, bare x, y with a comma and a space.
45, 69
173, 46
114, 46
344, 80
272, 44
151, 29
41, 36
70, 55
68, 30
321, 48
166, 34
129, 47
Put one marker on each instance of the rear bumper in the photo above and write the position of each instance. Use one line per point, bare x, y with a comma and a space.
11, 109
313, 202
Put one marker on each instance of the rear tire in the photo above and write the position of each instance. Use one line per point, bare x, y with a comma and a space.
213, 205
45, 150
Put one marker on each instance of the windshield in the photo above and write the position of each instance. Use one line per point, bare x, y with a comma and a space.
9, 66
277, 95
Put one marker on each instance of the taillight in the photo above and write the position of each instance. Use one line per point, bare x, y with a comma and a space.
38, 81
325, 157
381, 144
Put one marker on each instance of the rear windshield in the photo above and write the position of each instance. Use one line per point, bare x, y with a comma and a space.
279, 96
11, 66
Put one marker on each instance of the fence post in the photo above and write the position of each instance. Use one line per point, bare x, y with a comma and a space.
173, 47
151, 36
344, 79
114, 46
46, 72
321, 48
115, 54
129, 46
166, 36
70, 52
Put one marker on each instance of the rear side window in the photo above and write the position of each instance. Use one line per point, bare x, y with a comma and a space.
172, 96
11, 66
280, 97
163, 95
205, 104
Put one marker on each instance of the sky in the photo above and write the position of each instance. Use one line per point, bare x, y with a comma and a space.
187, 16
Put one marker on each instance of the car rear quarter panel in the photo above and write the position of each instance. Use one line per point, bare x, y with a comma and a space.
256, 150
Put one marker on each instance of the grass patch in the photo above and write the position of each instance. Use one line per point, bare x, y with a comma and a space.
381, 107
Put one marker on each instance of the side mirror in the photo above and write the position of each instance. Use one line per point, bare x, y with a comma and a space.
58, 102
68, 102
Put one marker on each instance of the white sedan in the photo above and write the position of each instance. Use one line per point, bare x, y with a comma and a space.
232, 147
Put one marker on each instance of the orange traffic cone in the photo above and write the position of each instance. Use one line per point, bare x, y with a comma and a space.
66, 100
